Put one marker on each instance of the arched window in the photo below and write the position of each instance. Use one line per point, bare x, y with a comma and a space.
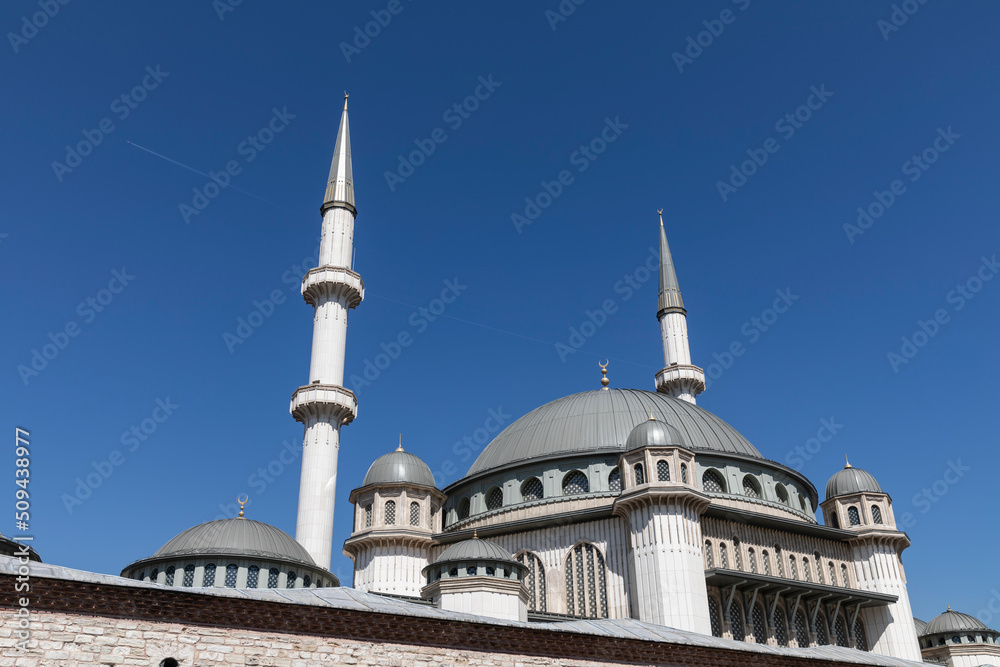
272, 578
820, 629
414, 513
801, 631
777, 560
586, 582
711, 482
662, 471
188, 575
170, 575
390, 512
575, 483
154, 575
684, 473
640, 474
723, 556
819, 569
752, 558
751, 488
843, 576
779, 490
141, 577
737, 555
840, 631
876, 514
759, 626
531, 489
766, 560
290, 579
253, 576
306, 581
209, 579
471, 570
806, 570
834, 521
494, 498
615, 481
535, 580
802, 503
853, 516
463, 509
778, 621
736, 621
793, 571
231, 571
860, 641
709, 561
833, 574
368, 516
713, 615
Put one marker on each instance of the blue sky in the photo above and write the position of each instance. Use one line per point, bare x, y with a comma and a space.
208, 80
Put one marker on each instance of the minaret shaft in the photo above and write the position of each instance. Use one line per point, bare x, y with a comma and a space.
324, 405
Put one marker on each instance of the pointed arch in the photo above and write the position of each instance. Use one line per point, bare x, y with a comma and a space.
534, 579
586, 582
713, 616
757, 621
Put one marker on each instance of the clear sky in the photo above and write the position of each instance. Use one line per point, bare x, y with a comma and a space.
113, 250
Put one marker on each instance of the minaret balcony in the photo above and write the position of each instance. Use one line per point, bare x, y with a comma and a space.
324, 401
336, 282
691, 378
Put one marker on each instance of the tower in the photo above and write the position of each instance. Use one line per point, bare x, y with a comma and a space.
679, 378
324, 405
855, 502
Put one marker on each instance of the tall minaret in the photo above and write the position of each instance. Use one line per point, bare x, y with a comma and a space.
324, 405
679, 378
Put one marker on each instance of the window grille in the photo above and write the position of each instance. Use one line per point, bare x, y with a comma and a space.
750, 487
531, 489
662, 471
801, 633
615, 481
535, 580
188, 575
820, 629
853, 516
290, 579
737, 555
170, 575
766, 560
723, 556
684, 473
272, 578
231, 572
782, 494
575, 483
876, 514
494, 499
759, 626
390, 512
253, 576
860, 642
752, 558
586, 582
736, 622
713, 615
840, 631
368, 516
414, 514
463, 509
712, 483
209, 575
709, 561
640, 474
778, 621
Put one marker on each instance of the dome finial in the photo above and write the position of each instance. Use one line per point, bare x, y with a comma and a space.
848, 461
242, 502
604, 374
660, 211
400, 448
475, 536
651, 417
949, 607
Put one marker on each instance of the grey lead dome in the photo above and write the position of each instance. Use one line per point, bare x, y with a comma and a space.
851, 480
399, 466
474, 549
654, 433
236, 537
602, 420
953, 621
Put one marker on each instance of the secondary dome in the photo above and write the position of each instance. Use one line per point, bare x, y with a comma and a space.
851, 480
236, 537
601, 421
953, 621
399, 466
474, 549
653, 433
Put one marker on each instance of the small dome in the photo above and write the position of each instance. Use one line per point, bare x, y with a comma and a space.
954, 621
399, 466
851, 480
919, 625
654, 433
236, 537
474, 549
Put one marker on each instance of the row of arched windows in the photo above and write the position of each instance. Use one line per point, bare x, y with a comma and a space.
712, 481
585, 577
389, 514
758, 626
231, 573
854, 516
761, 563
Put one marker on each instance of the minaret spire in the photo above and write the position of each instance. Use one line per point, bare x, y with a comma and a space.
324, 405
679, 378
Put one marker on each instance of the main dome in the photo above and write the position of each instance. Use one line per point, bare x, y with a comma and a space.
601, 420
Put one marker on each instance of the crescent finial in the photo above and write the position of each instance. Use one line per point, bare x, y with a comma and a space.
242, 502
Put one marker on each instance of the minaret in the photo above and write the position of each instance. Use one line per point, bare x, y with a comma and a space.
679, 378
324, 405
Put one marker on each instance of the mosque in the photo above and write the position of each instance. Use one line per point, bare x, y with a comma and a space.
631, 518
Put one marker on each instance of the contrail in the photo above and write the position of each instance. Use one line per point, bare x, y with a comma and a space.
180, 164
